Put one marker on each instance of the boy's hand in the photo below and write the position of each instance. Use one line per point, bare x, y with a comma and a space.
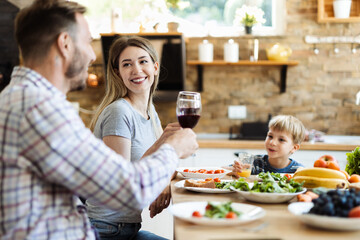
236, 168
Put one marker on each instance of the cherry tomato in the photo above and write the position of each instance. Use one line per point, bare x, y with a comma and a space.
289, 176
202, 171
222, 171
217, 171
231, 215
197, 214
186, 170
210, 171
217, 180
208, 207
208, 179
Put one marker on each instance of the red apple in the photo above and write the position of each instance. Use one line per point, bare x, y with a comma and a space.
328, 158
327, 161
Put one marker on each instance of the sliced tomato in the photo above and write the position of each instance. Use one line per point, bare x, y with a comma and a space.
217, 180
231, 215
186, 170
208, 179
210, 171
217, 171
197, 214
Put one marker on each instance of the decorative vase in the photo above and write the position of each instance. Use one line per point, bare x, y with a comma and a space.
342, 8
173, 26
248, 29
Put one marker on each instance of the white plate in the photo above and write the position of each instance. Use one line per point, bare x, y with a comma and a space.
185, 210
301, 209
201, 175
267, 197
181, 183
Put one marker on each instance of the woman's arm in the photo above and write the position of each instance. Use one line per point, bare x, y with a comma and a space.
120, 145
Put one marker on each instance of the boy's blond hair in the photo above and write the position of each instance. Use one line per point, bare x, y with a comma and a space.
289, 124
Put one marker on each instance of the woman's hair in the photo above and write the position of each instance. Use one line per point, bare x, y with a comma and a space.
115, 87
289, 124
38, 25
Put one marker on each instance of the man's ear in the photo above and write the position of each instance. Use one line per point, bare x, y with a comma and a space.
64, 45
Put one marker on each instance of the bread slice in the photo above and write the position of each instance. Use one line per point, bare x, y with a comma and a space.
201, 183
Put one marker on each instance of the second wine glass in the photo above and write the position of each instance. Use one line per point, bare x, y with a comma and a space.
188, 108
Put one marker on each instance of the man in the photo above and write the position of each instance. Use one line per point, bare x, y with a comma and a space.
48, 157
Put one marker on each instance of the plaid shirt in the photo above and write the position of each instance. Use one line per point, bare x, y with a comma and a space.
48, 157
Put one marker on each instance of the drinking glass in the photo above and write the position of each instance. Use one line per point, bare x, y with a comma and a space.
246, 160
188, 108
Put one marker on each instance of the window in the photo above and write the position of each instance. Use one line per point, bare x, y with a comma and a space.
197, 18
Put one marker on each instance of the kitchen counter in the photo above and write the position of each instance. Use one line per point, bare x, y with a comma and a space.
331, 143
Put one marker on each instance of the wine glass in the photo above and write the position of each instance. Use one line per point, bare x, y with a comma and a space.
188, 108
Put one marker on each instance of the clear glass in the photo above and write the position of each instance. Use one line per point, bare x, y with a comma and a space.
246, 160
188, 108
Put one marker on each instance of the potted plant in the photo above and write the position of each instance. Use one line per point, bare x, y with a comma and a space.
248, 17
172, 5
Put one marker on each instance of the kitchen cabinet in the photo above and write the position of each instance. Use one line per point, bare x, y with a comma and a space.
261, 63
326, 12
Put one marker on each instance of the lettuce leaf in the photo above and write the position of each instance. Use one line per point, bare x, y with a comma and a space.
353, 162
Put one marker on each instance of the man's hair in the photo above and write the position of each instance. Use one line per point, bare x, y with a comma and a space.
38, 25
289, 124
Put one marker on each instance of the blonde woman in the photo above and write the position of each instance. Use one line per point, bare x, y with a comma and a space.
127, 122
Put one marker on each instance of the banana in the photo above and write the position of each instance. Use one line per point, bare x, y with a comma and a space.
320, 172
314, 182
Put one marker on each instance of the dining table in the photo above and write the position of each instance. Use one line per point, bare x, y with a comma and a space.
278, 223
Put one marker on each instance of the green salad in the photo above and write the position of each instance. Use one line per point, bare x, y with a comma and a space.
223, 210
269, 184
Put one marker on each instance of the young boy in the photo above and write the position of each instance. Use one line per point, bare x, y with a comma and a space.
283, 139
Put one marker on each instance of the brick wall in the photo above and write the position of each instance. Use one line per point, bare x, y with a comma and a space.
320, 90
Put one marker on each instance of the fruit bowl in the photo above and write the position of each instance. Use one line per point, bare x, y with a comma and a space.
301, 209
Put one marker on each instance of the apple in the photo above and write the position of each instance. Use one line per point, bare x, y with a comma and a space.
328, 158
327, 161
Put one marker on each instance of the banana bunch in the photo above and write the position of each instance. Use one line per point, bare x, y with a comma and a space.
321, 177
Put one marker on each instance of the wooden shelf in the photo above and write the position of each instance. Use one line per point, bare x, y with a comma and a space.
143, 34
244, 63
326, 12
283, 64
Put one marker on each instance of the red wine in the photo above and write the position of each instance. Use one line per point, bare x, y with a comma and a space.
188, 117
188, 121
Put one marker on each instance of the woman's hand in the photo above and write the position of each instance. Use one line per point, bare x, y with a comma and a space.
161, 202
169, 130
